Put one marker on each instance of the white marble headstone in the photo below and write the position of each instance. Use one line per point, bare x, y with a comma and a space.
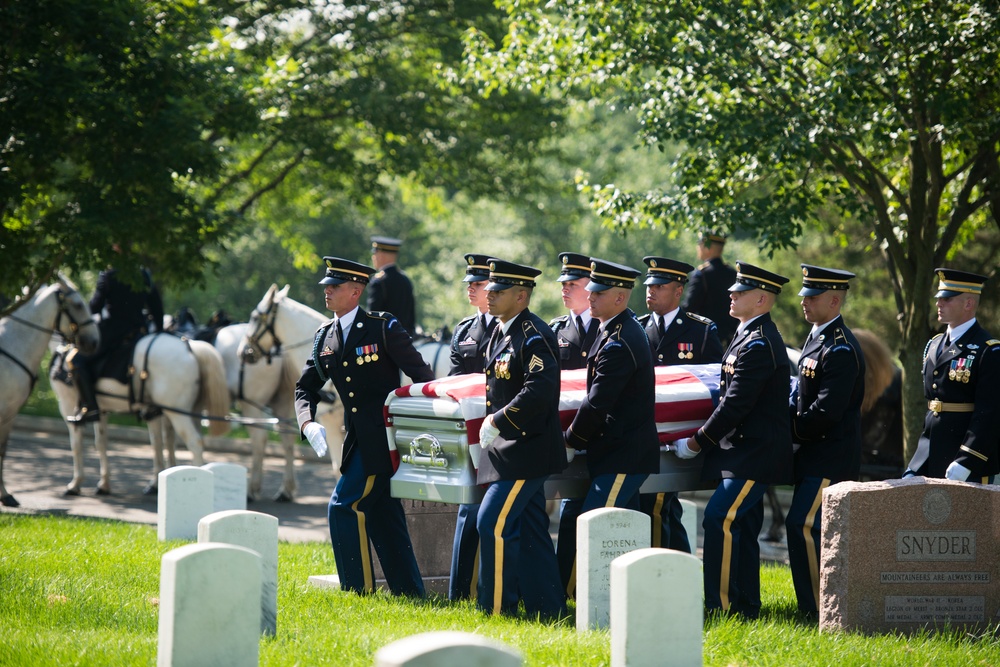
601, 536
259, 533
657, 605
184, 496
230, 489
447, 649
209, 607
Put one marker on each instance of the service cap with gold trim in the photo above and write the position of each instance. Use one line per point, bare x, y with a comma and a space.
707, 236
477, 268
953, 282
605, 275
663, 270
344, 270
750, 277
819, 279
504, 275
574, 266
385, 244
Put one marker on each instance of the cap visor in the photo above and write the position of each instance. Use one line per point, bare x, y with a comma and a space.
597, 287
810, 291
330, 280
947, 294
497, 287
469, 278
740, 287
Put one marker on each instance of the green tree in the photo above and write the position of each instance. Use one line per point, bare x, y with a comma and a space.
886, 112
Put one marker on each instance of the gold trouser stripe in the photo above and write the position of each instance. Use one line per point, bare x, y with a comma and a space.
727, 544
366, 556
616, 488
658, 519
498, 548
475, 575
812, 554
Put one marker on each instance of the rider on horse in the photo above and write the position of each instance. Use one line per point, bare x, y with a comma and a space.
126, 315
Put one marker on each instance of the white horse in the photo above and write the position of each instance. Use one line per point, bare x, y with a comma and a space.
56, 309
179, 377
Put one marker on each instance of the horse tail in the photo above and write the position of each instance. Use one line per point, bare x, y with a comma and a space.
213, 396
879, 367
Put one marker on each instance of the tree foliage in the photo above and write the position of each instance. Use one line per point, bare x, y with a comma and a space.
888, 112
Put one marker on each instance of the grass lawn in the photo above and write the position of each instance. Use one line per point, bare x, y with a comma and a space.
85, 592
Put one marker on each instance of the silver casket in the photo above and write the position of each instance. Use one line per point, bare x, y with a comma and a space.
433, 429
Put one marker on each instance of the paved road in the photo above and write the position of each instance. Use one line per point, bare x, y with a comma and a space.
39, 465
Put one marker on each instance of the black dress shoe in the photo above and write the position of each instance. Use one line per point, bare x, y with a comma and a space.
84, 416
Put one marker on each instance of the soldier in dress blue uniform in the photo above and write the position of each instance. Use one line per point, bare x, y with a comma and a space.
390, 289
616, 423
576, 332
747, 442
362, 353
826, 421
522, 445
707, 291
468, 355
962, 427
675, 337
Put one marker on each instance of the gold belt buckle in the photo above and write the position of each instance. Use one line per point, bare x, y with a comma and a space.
935, 406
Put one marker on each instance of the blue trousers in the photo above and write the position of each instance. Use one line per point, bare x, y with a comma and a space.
362, 514
733, 519
802, 524
665, 510
516, 558
464, 554
609, 490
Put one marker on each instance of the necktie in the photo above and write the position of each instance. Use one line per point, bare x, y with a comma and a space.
579, 327
660, 326
809, 338
494, 337
340, 336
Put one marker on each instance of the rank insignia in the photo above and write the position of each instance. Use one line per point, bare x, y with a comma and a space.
536, 364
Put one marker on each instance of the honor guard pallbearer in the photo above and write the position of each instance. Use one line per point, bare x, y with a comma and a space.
962, 426
825, 410
362, 353
707, 292
675, 337
747, 444
390, 289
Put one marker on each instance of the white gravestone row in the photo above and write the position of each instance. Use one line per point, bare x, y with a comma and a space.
186, 494
601, 536
447, 649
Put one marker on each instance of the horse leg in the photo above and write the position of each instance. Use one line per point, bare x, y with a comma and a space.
286, 410
6, 499
191, 435
101, 443
158, 427
76, 447
777, 527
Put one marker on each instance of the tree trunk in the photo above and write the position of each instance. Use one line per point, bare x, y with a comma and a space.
914, 403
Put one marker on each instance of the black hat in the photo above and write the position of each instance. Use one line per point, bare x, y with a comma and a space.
505, 274
954, 282
712, 236
574, 266
344, 270
662, 271
750, 277
817, 279
478, 268
385, 244
605, 275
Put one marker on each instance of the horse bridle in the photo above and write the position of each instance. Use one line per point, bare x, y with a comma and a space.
252, 349
74, 328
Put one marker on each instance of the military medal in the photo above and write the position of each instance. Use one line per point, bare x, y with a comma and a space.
809, 367
360, 360
684, 350
952, 372
375, 357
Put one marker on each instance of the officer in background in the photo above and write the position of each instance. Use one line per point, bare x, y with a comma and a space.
521, 445
675, 337
362, 353
616, 422
962, 426
826, 421
747, 442
468, 355
390, 289
576, 332
127, 314
707, 291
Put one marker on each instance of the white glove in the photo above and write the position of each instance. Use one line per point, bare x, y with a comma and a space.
316, 435
488, 432
682, 450
570, 454
957, 471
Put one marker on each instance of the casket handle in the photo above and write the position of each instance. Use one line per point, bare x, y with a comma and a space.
426, 450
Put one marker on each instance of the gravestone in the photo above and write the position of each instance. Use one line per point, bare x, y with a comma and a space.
230, 486
601, 536
657, 605
259, 533
907, 554
209, 607
447, 649
689, 519
184, 497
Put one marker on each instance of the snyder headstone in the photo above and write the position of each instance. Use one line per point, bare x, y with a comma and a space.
447, 649
184, 497
259, 533
601, 536
657, 606
229, 486
908, 554
209, 607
